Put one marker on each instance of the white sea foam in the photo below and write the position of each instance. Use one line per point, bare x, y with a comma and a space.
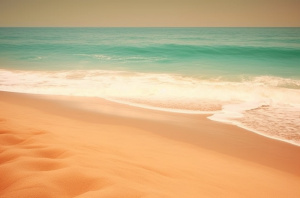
96, 56
267, 105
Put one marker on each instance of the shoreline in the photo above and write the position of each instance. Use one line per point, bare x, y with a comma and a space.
257, 132
114, 149
208, 114
232, 98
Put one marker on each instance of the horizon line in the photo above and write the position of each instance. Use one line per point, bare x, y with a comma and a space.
149, 26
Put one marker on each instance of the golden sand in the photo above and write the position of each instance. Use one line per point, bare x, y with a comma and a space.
58, 148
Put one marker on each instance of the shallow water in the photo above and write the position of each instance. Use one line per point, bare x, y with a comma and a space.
249, 77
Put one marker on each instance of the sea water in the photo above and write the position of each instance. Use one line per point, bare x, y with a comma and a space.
249, 77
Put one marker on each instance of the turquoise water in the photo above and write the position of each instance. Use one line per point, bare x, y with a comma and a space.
198, 51
249, 77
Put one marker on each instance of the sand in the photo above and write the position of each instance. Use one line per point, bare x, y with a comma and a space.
57, 147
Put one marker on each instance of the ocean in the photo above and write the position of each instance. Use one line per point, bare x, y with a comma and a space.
249, 77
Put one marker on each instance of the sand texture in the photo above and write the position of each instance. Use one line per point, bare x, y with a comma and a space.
56, 148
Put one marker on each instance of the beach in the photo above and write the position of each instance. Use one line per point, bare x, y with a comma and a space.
54, 147
149, 112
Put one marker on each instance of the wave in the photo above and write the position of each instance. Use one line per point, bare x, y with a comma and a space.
152, 86
187, 51
150, 49
133, 85
248, 102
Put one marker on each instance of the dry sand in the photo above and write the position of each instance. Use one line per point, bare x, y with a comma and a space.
55, 148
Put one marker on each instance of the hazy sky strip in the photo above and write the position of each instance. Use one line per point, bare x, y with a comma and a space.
150, 13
